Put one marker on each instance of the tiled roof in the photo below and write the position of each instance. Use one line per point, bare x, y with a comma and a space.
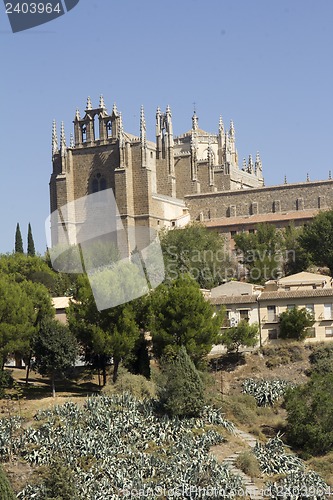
234, 299
257, 218
294, 294
304, 277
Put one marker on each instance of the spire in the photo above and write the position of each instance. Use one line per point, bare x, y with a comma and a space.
244, 166
285, 179
62, 140
307, 177
143, 128
121, 141
209, 151
77, 114
114, 109
101, 102
221, 126
250, 168
121, 127
330, 174
194, 121
89, 105
54, 138
232, 129
258, 165
71, 141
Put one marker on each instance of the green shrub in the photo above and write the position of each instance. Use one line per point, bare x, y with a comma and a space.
6, 492
248, 463
183, 393
58, 483
310, 415
138, 385
6, 381
321, 359
241, 408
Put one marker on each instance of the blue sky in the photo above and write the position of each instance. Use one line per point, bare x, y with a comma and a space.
267, 65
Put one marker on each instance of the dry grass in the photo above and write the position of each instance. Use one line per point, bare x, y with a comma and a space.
323, 466
248, 463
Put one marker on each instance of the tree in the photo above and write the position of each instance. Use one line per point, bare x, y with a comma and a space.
108, 334
181, 316
294, 323
31, 244
183, 392
21, 267
55, 350
317, 239
261, 253
197, 251
16, 317
18, 240
243, 334
310, 415
296, 258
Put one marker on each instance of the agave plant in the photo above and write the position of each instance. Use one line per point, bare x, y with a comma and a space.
274, 460
117, 444
266, 392
298, 485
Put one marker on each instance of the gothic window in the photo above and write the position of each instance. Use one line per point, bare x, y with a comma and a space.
98, 183
109, 129
96, 127
84, 133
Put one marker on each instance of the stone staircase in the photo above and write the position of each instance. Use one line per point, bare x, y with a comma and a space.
250, 489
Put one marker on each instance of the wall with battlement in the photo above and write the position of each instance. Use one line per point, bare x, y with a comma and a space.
245, 202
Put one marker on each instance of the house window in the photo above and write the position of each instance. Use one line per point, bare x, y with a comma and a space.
272, 334
233, 233
271, 313
290, 306
329, 332
244, 315
327, 311
311, 333
310, 308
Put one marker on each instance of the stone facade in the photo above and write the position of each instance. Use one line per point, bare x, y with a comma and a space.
172, 180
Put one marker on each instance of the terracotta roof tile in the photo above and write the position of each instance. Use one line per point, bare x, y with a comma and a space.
294, 294
233, 299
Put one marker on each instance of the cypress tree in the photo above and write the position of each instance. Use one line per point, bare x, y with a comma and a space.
31, 244
183, 393
18, 240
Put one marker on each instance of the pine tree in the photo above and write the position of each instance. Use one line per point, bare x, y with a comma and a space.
18, 240
31, 244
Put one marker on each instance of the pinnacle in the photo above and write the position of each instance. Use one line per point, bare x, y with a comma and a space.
101, 102
89, 105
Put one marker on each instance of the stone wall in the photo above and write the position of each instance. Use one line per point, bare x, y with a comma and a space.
245, 202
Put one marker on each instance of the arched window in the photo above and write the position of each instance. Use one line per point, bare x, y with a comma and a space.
109, 129
98, 183
84, 133
96, 127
